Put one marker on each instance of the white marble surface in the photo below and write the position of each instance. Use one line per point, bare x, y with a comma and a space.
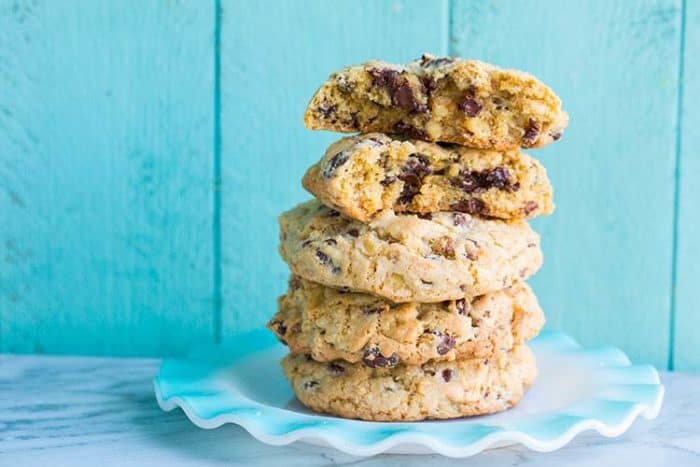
67, 411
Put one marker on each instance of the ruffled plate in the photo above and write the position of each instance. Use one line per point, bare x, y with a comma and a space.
241, 382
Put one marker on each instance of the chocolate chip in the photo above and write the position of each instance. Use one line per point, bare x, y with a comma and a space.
529, 207
308, 385
447, 375
336, 161
335, 369
427, 216
426, 282
445, 344
470, 206
354, 233
388, 181
459, 219
374, 359
470, 105
281, 328
332, 213
410, 131
532, 131
462, 307
305, 243
330, 241
556, 135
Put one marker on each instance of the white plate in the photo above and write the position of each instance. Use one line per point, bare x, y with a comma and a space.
241, 382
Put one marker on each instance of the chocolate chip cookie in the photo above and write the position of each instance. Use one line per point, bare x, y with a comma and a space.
435, 390
407, 258
329, 324
362, 175
445, 99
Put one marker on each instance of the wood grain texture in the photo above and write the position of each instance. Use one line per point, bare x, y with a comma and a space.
272, 60
608, 247
105, 176
687, 311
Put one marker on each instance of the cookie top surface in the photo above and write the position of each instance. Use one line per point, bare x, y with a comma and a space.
329, 324
435, 390
365, 174
446, 99
406, 258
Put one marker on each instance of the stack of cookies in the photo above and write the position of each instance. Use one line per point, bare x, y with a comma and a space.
407, 299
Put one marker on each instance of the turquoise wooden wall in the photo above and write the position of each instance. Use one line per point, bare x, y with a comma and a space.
146, 148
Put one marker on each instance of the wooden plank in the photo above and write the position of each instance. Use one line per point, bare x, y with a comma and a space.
106, 176
273, 59
686, 352
608, 247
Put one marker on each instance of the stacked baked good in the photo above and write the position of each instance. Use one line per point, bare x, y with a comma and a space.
407, 298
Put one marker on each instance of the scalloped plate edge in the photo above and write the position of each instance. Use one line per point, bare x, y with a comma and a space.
315, 433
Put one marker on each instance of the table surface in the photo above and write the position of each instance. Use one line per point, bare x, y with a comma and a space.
95, 411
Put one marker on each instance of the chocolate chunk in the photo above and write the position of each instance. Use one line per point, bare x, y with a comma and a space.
335, 369
330, 241
470, 105
470, 206
417, 167
332, 213
529, 207
445, 344
447, 375
479, 181
410, 131
281, 328
383, 76
532, 131
388, 181
427, 216
556, 135
336, 161
499, 177
399, 89
354, 233
374, 359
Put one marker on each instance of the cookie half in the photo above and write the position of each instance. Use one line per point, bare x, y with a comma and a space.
444, 99
329, 324
406, 258
436, 390
362, 175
